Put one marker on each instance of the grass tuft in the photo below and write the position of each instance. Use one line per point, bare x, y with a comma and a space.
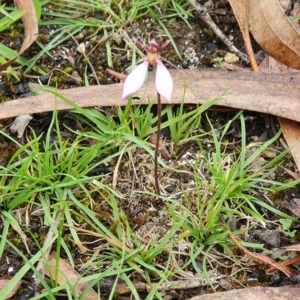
54, 177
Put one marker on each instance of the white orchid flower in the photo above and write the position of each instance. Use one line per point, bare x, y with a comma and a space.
163, 79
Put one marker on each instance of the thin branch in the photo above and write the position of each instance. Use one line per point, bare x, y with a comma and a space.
205, 17
264, 259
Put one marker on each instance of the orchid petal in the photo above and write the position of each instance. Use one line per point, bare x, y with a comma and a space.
135, 79
163, 81
153, 43
164, 44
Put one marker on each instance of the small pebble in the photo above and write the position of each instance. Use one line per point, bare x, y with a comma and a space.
270, 237
295, 278
208, 4
231, 58
212, 46
169, 188
225, 284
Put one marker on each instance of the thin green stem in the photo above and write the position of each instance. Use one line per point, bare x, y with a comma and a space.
157, 145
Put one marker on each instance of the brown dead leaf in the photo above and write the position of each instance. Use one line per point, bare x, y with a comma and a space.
290, 128
162, 148
30, 23
14, 290
62, 272
30, 28
294, 206
290, 173
274, 32
272, 66
257, 293
240, 9
291, 132
292, 247
250, 91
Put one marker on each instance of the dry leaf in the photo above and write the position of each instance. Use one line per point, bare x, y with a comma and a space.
294, 206
162, 149
3, 283
30, 23
250, 91
290, 173
272, 66
255, 293
240, 9
291, 132
290, 128
19, 125
274, 32
66, 274
30, 28
292, 247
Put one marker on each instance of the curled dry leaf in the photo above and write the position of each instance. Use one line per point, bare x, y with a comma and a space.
30, 28
240, 9
162, 149
292, 247
274, 32
30, 23
290, 128
20, 123
63, 273
4, 282
291, 132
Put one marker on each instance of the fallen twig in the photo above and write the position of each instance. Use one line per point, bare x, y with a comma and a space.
181, 284
264, 259
285, 263
115, 74
205, 17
